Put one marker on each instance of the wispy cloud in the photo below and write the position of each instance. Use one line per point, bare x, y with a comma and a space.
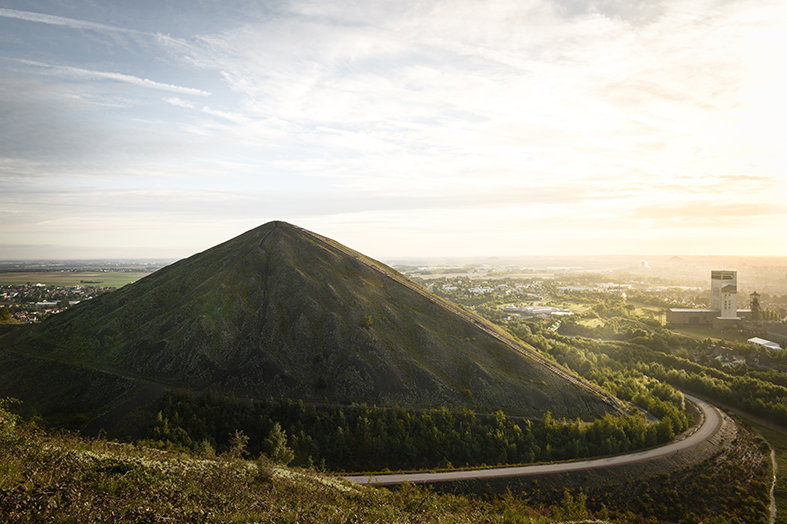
710, 213
87, 74
560, 116
238, 118
84, 25
135, 80
180, 103
63, 21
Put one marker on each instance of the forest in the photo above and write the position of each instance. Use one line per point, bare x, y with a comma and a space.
624, 367
371, 438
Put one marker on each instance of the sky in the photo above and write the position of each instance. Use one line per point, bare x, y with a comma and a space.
399, 128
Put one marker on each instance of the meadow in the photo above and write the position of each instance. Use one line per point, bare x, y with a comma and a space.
707, 332
115, 279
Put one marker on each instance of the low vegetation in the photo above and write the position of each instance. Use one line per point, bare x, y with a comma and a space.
363, 438
778, 443
649, 359
59, 477
731, 486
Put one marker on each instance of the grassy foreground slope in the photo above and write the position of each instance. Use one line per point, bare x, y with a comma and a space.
61, 478
281, 311
45, 478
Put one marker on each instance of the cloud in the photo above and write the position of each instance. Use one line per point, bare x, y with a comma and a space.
560, 116
710, 213
237, 118
47, 130
87, 74
130, 79
423, 79
63, 21
180, 103
83, 25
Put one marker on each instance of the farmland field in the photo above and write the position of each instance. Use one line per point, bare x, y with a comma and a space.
72, 278
591, 322
642, 310
701, 333
577, 308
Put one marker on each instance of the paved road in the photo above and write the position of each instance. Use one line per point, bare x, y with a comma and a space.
711, 424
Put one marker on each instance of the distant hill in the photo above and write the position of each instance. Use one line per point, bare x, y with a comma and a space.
281, 311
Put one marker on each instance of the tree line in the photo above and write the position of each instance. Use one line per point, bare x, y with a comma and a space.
629, 368
372, 438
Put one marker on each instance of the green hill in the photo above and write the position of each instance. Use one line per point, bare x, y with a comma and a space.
280, 311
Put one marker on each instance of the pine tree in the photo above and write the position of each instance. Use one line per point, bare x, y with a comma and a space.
238, 443
276, 446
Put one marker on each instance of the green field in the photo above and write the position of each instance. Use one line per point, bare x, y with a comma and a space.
577, 308
68, 278
644, 310
591, 322
703, 332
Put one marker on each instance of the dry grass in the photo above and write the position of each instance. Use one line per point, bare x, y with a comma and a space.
61, 478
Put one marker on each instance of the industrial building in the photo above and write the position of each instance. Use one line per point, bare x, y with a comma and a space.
764, 343
723, 313
724, 293
778, 334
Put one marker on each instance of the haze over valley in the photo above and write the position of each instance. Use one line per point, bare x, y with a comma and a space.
434, 261
288, 318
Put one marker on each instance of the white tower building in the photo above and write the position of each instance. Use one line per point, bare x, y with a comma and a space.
724, 293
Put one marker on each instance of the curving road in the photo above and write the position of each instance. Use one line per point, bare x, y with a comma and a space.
710, 425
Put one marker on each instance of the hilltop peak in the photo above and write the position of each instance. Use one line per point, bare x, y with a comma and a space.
282, 311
